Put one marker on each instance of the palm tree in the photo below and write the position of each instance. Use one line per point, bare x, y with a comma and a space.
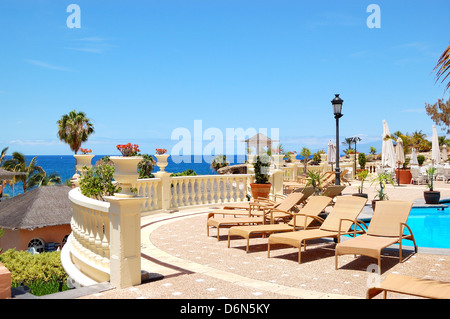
18, 164
42, 179
74, 129
348, 141
3, 183
306, 153
443, 66
3, 154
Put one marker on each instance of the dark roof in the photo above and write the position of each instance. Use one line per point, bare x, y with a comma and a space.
40, 207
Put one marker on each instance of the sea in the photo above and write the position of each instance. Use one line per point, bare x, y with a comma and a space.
64, 165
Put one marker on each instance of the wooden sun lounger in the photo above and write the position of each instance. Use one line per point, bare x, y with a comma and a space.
424, 288
285, 206
304, 219
338, 222
385, 229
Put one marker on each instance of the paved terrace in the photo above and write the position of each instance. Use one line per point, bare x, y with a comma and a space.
182, 262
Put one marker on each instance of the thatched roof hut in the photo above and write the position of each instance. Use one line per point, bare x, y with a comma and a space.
40, 207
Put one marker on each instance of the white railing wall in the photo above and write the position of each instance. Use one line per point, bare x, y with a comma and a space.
95, 250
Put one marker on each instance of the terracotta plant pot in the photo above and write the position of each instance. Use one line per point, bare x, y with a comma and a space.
403, 175
260, 190
432, 197
374, 202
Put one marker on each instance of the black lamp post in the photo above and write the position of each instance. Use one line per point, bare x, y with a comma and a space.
355, 139
337, 109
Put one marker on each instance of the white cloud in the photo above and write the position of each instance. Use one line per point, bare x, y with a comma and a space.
90, 45
48, 65
34, 142
421, 110
89, 50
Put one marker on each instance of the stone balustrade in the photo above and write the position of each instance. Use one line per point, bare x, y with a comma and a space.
96, 250
105, 241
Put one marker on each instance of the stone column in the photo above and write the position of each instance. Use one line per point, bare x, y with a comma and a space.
164, 193
125, 241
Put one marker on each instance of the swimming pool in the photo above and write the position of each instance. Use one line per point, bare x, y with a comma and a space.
430, 227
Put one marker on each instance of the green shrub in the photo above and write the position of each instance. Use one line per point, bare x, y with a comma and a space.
40, 272
420, 159
188, 172
362, 160
25, 267
98, 181
39, 288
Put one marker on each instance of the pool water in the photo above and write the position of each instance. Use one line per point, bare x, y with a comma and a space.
430, 227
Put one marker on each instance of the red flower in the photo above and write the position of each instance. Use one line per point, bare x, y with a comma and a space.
85, 150
128, 149
161, 151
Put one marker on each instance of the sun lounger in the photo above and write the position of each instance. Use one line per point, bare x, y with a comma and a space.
425, 288
338, 222
304, 219
285, 206
248, 205
386, 228
334, 190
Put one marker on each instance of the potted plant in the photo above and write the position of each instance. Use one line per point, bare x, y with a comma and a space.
161, 158
315, 180
84, 159
431, 196
381, 180
306, 153
125, 167
420, 159
362, 175
219, 161
261, 186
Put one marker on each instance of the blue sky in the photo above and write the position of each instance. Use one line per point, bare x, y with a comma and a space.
143, 69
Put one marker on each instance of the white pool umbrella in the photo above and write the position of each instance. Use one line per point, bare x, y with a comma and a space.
435, 151
414, 160
444, 153
331, 154
387, 148
399, 153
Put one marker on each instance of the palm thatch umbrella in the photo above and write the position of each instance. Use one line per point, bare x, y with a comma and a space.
9, 176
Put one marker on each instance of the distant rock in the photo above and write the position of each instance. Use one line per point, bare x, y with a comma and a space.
233, 169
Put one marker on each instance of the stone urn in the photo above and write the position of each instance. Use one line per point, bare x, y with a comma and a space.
83, 160
278, 160
126, 173
161, 161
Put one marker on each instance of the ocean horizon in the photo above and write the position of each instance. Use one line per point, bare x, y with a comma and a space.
64, 165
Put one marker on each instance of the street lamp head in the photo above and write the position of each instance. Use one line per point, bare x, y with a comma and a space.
337, 105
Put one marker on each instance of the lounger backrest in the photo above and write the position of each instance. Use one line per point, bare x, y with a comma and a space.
346, 207
314, 207
290, 201
333, 190
387, 217
307, 191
